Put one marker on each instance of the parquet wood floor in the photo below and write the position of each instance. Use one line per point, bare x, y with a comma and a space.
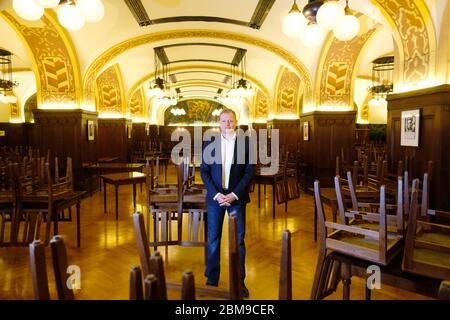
108, 250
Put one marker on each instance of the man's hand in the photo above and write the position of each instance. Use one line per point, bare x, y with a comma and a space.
230, 198
221, 199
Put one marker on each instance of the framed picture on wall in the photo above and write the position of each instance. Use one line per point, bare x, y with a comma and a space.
129, 128
410, 124
306, 131
90, 130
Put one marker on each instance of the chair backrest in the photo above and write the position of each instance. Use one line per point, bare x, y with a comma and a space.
427, 249
59, 257
142, 242
234, 262
136, 290
188, 286
157, 268
39, 269
285, 286
151, 287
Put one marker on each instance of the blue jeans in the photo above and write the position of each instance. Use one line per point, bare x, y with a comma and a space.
216, 214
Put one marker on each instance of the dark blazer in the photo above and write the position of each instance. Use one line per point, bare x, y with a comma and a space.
240, 175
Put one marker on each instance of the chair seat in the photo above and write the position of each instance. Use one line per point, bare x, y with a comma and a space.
374, 226
364, 247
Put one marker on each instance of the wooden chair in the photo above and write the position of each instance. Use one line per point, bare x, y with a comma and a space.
427, 246
394, 213
154, 265
39, 269
285, 286
376, 246
8, 202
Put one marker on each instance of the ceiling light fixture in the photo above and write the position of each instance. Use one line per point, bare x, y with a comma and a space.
317, 18
241, 88
6, 78
382, 79
72, 14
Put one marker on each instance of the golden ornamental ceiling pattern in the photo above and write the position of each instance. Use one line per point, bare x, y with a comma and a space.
137, 104
338, 69
261, 106
108, 55
287, 94
56, 74
109, 100
416, 44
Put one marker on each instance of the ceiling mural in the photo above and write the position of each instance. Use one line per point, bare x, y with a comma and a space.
414, 32
287, 93
337, 70
56, 69
197, 111
109, 92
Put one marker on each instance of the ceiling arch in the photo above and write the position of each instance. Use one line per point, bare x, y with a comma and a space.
414, 33
122, 47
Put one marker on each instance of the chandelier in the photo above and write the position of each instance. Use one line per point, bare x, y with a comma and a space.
178, 111
159, 88
382, 79
217, 112
72, 14
241, 88
6, 79
318, 17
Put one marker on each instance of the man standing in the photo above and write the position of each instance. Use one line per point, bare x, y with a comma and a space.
227, 183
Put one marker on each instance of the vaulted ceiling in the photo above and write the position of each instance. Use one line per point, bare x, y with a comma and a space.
201, 39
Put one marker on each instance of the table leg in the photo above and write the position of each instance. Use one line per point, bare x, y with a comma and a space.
273, 200
55, 223
165, 172
78, 223
368, 293
259, 195
117, 202
134, 195
104, 196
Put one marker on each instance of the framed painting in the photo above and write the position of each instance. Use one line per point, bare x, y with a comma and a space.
410, 123
90, 130
306, 131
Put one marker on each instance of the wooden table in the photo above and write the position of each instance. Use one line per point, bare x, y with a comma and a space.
118, 179
270, 179
95, 169
67, 203
107, 159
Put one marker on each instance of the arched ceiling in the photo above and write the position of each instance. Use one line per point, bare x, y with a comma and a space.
254, 19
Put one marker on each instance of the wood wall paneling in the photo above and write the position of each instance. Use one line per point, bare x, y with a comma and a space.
434, 137
328, 133
113, 138
64, 133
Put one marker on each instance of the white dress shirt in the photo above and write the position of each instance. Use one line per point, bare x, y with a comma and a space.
227, 151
